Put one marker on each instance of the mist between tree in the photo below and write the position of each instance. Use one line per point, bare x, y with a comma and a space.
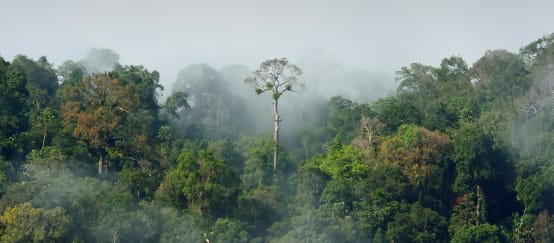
98, 151
300, 109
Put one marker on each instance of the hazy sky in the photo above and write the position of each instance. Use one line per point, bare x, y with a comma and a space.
167, 35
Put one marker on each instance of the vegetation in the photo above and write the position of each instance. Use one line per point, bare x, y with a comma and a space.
276, 76
89, 153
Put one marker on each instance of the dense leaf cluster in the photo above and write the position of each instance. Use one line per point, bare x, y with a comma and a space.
89, 153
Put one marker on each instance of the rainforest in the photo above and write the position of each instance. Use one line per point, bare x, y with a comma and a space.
96, 151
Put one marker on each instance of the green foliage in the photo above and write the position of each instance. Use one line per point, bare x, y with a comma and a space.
417, 81
226, 230
258, 156
522, 228
41, 77
421, 155
537, 191
460, 154
262, 206
453, 77
472, 150
536, 48
310, 185
480, 233
410, 135
117, 220
438, 116
71, 72
419, 224
24, 223
343, 117
227, 151
41, 84
176, 101
393, 112
463, 214
305, 227
377, 211
500, 75
7, 174
210, 186
141, 182
465, 108
113, 113
176, 227
342, 162
429, 91
13, 115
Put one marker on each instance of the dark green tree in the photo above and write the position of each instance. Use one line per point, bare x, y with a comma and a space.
227, 230
394, 111
417, 224
14, 122
210, 186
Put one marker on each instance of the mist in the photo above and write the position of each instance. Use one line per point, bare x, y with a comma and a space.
132, 121
170, 35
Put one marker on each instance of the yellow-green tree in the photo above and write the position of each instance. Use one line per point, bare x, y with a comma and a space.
420, 154
24, 223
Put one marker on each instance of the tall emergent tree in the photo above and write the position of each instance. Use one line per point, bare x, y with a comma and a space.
277, 76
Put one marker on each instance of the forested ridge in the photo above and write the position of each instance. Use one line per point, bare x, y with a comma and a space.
90, 152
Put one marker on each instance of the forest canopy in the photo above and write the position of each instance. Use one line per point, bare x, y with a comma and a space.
91, 152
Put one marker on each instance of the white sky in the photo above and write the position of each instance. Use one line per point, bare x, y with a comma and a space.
167, 35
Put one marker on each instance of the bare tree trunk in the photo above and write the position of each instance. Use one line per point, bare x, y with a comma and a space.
114, 236
44, 134
102, 163
276, 133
